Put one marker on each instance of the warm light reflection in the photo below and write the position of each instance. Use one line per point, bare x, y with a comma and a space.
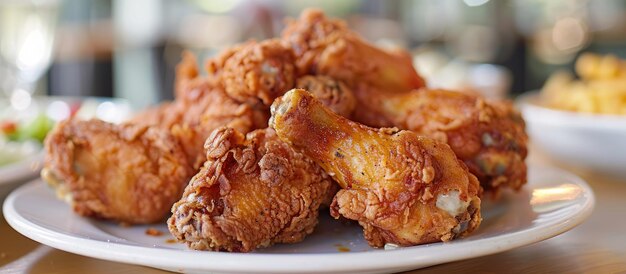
546, 199
106, 111
20, 99
569, 34
475, 3
58, 110
33, 50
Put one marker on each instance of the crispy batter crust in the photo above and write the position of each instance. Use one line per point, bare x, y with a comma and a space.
125, 172
489, 136
327, 47
256, 73
332, 93
252, 192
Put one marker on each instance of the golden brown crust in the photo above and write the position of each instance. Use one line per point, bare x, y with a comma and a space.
186, 71
332, 93
127, 173
200, 107
256, 73
392, 180
327, 47
252, 192
489, 136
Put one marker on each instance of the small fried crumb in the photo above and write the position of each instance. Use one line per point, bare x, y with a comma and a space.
153, 232
390, 246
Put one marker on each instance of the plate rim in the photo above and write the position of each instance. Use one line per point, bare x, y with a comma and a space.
284, 263
22, 169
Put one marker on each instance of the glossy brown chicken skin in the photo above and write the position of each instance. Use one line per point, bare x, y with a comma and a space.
402, 188
129, 173
253, 191
489, 136
324, 46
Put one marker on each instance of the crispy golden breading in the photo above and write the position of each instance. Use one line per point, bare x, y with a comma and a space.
489, 136
214, 109
326, 46
164, 115
200, 107
128, 173
257, 72
332, 93
402, 188
186, 73
252, 192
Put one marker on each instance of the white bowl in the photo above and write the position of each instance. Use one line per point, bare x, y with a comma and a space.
588, 141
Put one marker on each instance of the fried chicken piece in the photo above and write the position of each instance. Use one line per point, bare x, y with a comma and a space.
332, 93
253, 191
128, 173
212, 110
402, 188
256, 73
489, 136
200, 107
128, 157
327, 47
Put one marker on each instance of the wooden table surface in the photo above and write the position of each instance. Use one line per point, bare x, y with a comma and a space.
598, 245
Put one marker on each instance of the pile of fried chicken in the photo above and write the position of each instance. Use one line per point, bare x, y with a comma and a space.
279, 130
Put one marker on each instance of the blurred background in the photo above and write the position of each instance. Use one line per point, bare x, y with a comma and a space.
128, 49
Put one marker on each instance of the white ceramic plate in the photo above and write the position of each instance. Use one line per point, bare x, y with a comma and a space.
589, 141
23, 170
553, 202
13, 174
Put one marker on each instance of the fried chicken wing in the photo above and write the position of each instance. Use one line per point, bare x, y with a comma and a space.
253, 191
402, 188
126, 172
489, 136
327, 47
